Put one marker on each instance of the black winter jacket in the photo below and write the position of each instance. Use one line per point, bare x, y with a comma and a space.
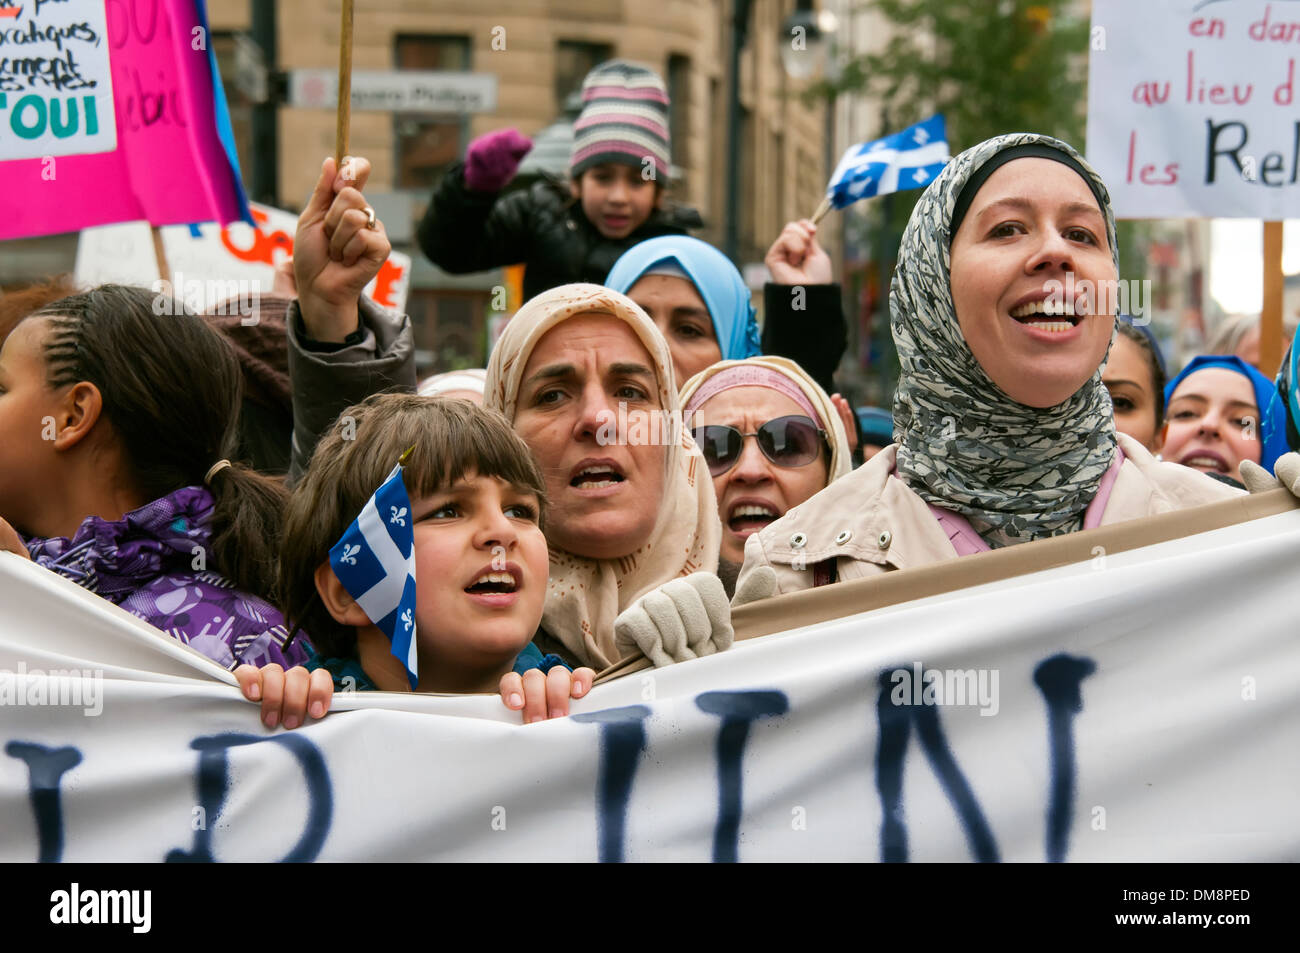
814, 335
539, 226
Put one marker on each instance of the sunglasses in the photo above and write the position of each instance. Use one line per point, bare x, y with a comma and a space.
789, 442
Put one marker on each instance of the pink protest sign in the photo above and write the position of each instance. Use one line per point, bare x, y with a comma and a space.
161, 157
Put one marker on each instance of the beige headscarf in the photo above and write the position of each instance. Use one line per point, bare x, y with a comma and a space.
828, 417
585, 595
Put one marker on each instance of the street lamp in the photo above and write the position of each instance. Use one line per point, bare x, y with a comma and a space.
804, 39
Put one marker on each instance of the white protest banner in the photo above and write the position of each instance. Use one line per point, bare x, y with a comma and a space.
1143, 705
211, 264
1193, 110
56, 89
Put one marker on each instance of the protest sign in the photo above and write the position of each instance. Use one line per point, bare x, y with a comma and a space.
163, 152
1143, 705
210, 264
56, 89
1192, 108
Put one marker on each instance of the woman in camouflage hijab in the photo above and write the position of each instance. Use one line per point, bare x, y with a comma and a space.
1017, 471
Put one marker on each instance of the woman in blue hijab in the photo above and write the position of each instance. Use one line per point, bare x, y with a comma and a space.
694, 295
1218, 413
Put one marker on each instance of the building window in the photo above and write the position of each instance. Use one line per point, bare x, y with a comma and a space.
450, 329
241, 110
746, 219
573, 61
679, 108
428, 144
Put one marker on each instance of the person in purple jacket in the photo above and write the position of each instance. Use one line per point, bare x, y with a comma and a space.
118, 408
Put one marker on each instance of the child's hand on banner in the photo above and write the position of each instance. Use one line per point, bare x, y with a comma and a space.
287, 697
795, 258
541, 696
338, 250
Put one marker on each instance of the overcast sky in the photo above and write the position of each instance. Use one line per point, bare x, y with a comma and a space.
1236, 261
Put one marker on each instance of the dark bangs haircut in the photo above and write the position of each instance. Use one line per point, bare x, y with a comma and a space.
449, 439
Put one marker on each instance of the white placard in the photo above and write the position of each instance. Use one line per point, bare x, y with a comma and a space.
211, 264
1193, 108
56, 88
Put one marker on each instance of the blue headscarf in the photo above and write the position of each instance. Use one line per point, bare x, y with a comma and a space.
1272, 430
1285, 405
1144, 329
877, 425
714, 277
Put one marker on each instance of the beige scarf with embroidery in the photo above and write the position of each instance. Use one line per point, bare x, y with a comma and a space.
584, 595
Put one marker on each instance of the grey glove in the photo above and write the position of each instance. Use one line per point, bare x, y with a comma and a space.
683, 619
758, 584
1287, 470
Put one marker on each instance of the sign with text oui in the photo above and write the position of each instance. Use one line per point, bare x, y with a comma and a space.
56, 88
421, 91
1193, 108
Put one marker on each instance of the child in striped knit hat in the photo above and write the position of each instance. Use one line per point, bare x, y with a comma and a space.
618, 169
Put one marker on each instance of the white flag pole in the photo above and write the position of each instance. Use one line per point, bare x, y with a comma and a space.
822, 209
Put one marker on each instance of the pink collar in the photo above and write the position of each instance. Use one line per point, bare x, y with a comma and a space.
965, 540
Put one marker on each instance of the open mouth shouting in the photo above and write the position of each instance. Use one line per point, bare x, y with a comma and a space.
496, 586
748, 516
1048, 314
597, 477
1207, 461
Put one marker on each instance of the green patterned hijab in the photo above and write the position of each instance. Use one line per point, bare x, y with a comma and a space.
1016, 472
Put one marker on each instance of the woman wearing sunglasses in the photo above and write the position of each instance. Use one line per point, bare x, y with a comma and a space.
771, 438
1003, 428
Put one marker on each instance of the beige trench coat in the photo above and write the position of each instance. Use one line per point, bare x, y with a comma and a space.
871, 523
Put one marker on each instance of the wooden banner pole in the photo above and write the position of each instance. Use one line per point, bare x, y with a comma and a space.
160, 255
345, 86
1270, 318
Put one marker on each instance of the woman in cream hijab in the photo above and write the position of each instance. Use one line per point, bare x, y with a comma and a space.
587, 380
799, 444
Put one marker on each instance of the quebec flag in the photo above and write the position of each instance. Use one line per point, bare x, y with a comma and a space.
375, 561
906, 160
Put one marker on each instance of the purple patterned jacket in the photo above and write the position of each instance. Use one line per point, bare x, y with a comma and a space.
145, 564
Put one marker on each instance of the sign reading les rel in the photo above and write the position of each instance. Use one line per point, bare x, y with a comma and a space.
1192, 108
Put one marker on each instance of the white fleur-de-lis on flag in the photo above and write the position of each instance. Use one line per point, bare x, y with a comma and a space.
859, 187
398, 516
350, 554
406, 619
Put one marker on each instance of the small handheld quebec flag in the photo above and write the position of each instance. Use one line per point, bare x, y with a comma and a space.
375, 562
906, 160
